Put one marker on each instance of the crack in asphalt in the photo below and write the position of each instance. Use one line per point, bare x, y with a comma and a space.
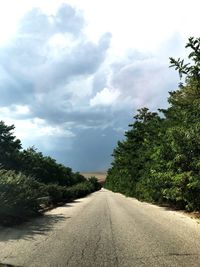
97, 246
70, 257
112, 235
109, 230
83, 250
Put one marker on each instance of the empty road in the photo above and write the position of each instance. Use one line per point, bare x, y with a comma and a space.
104, 229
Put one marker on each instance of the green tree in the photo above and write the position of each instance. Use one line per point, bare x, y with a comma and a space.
9, 146
160, 155
46, 169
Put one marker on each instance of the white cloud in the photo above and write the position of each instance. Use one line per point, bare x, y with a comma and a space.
58, 74
22, 110
106, 97
140, 24
14, 111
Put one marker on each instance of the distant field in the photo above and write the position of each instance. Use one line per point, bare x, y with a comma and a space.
101, 176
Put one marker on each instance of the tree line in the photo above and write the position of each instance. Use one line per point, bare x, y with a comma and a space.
159, 158
31, 182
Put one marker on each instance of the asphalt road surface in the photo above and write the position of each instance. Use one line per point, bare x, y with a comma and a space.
104, 229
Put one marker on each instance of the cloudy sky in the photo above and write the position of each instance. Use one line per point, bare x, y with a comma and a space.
73, 72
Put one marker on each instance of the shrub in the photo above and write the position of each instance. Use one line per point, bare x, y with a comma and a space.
18, 197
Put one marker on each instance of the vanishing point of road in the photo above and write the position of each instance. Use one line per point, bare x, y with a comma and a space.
104, 229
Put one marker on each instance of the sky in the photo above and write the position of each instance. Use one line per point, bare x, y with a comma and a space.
73, 73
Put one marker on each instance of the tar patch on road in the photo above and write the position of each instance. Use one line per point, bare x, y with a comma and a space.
8, 265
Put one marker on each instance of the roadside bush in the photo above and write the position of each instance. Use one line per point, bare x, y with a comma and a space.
59, 194
96, 185
79, 190
55, 193
153, 185
18, 197
22, 197
184, 191
83, 189
31, 182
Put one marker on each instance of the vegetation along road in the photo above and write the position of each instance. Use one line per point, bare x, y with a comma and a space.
104, 229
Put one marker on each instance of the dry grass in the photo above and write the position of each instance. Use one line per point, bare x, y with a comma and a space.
101, 176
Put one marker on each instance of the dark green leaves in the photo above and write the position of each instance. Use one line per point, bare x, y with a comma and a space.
180, 66
192, 69
28, 177
159, 160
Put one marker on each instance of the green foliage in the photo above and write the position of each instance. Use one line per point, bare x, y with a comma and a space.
159, 158
9, 146
46, 169
18, 197
31, 162
62, 194
95, 185
22, 197
30, 181
192, 71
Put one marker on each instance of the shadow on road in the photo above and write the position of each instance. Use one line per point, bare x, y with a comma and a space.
38, 226
8, 265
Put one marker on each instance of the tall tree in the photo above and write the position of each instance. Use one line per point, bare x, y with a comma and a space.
9, 146
162, 155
